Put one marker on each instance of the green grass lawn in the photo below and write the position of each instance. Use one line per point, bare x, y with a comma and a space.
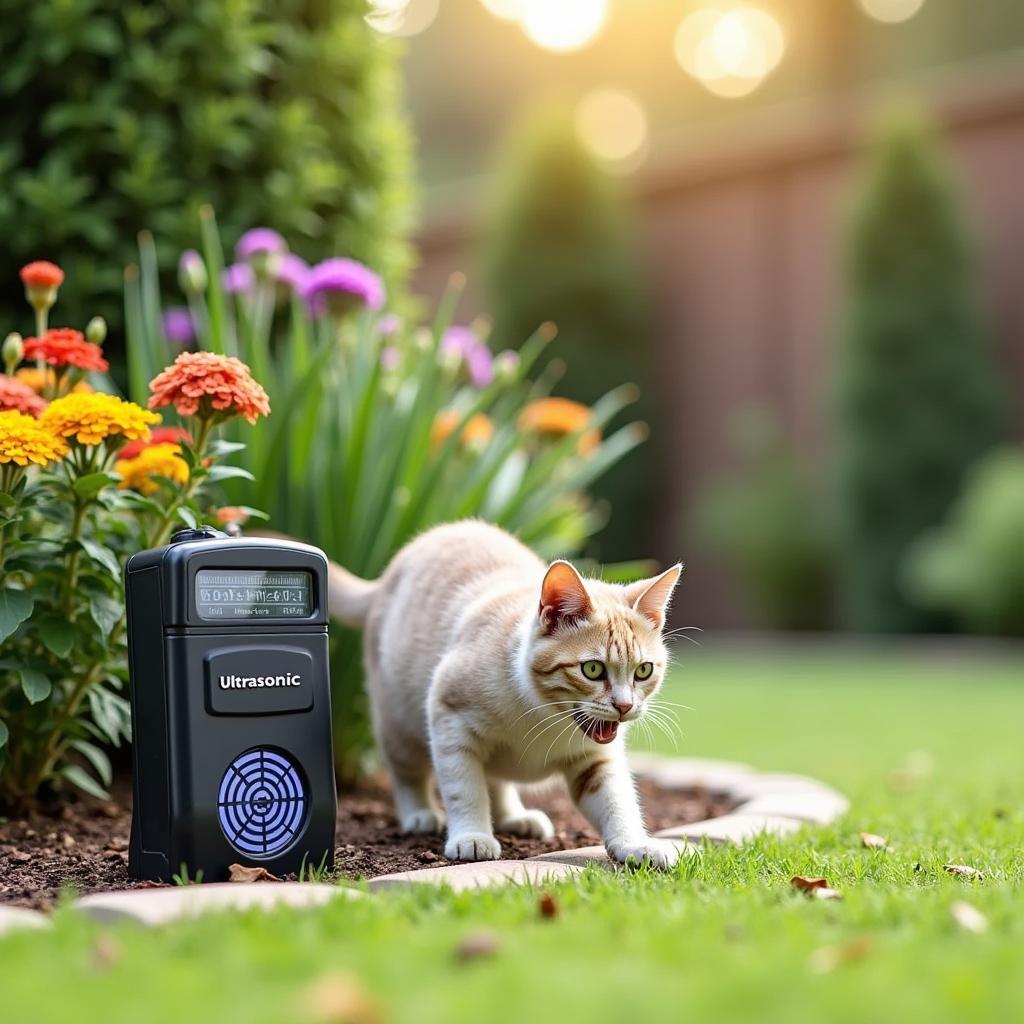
930, 751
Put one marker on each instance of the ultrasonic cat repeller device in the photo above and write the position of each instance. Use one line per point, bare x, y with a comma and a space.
231, 713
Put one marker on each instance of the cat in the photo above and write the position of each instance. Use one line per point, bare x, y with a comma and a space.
486, 667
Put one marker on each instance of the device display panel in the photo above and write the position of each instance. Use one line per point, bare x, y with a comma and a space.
222, 594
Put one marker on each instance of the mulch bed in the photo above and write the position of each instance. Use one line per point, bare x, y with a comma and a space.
83, 846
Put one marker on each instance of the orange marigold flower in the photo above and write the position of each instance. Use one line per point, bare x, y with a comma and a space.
229, 514
477, 432
159, 435
41, 274
16, 394
557, 417
91, 419
24, 440
42, 380
204, 382
64, 346
154, 460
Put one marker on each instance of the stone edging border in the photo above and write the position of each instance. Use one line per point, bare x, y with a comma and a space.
768, 803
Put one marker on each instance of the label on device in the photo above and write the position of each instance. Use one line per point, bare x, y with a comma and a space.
253, 594
258, 680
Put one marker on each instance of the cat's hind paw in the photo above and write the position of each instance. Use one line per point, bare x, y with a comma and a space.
423, 823
532, 824
658, 853
472, 846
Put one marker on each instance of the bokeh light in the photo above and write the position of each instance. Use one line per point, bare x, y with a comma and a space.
402, 17
730, 49
562, 25
613, 126
507, 10
892, 10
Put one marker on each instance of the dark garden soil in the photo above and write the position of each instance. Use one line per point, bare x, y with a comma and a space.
82, 847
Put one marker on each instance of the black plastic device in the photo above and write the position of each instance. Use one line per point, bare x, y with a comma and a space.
231, 715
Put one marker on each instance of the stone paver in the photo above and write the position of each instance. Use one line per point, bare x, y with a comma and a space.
480, 875
160, 906
774, 784
15, 918
733, 828
585, 855
818, 806
691, 772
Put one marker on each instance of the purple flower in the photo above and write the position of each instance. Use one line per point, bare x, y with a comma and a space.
238, 278
463, 342
341, 284
292, 272
178, 326
390, 323
390, 357
259, 241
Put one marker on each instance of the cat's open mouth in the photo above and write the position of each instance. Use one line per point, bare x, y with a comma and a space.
597, 729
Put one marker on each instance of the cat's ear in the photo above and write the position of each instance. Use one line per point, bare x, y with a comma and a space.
563, 597
652, 597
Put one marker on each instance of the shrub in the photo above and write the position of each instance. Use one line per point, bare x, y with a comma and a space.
918, 401
120, 116
82, 487
972, 567
558, 248
770, 529
382, 429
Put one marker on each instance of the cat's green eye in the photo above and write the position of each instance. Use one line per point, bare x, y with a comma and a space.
592, 669
643, 671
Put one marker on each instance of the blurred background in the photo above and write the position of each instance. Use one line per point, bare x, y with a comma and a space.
794, 223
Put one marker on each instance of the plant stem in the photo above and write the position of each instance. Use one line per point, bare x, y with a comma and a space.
163, 528
71, 579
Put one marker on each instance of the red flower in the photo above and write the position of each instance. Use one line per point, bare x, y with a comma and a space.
64, 346
14, 394
41, 274
159, 435
203, 382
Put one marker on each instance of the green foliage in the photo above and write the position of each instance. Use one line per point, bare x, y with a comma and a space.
360, 453
973, 566
769, 527
127, 115
559, 249
918, 400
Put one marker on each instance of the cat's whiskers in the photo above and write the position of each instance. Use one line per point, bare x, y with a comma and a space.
547, 753
552, 720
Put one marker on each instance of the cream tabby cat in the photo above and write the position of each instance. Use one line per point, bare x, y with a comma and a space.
489, 668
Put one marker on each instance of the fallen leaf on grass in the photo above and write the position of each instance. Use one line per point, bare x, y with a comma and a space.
818, 888
873, 842
477, 946
969, 918
106, 953
340, 999
828, 958
964, 871
241, 873
547, 905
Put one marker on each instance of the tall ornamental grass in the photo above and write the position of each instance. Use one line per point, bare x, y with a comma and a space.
379, 428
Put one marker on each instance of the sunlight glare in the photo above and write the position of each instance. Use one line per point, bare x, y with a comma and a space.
891, 10
507, 10
613, 125
562, 25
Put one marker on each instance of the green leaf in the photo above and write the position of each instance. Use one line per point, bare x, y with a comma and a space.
105, 557
106, 611
15, 608
35, 685
78, 777
230, 472
97, 758
90, 485
187, 516
7, 500
220, 446
4, 734
58, 636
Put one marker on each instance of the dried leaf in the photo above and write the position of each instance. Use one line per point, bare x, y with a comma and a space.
243, 873
808, 884
547, 905
106, 953
964, 871
970, 918
873, 842
828, 958
477, 946
340, 999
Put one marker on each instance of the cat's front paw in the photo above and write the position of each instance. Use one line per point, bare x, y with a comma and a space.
659, 853
472, 846
423, 823
532, 824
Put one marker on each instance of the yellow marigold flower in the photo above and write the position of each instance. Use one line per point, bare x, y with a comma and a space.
91, 419
23, 440
156, 460
46, 380
477, 432
556, 417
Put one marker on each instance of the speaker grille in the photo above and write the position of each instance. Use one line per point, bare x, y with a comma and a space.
262, 802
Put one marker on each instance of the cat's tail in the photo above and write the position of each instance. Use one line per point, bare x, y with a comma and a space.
349, 597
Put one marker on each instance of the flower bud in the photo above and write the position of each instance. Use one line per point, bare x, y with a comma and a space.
96, 330
192, 274
12, 352
506, 366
